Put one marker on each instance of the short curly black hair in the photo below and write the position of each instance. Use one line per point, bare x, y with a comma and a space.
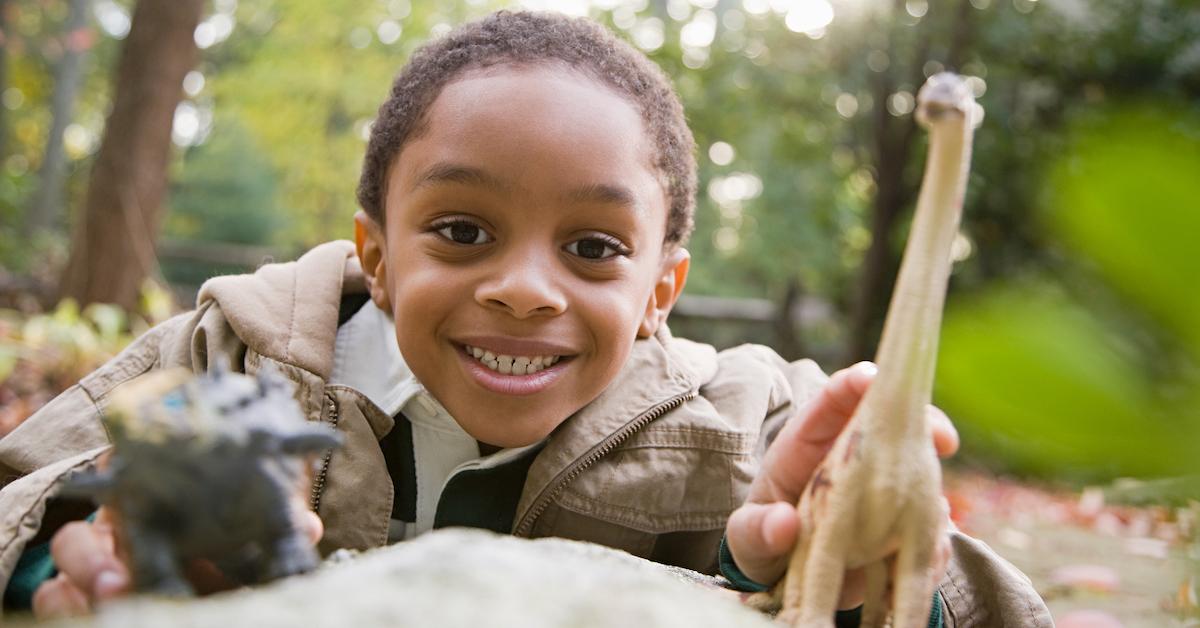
535, 37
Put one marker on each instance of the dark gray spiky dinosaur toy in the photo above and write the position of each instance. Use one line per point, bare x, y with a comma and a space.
205, 467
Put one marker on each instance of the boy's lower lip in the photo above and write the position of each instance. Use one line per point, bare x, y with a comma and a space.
510, 384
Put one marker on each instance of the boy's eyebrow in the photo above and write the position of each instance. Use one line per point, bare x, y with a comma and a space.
445, 172
605, 193
448, 172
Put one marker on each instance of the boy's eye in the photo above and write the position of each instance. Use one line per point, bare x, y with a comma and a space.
464, 232
596, 248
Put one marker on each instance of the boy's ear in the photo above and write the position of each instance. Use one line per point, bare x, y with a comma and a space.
371, 247
666, 291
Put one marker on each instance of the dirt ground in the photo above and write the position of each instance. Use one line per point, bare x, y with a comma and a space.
1093, 563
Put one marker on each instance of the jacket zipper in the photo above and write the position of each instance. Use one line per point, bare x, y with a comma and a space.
319, 481
566, 477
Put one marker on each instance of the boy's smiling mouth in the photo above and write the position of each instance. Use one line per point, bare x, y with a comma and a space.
512, 364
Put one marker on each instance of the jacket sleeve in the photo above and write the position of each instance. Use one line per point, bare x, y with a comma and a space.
804, 380
982, 589
62, 437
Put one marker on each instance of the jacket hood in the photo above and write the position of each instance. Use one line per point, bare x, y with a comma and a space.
289, 312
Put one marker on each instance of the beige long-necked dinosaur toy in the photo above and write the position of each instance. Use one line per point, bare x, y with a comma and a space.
877, 496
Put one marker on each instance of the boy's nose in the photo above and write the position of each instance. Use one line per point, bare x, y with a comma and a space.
523, 287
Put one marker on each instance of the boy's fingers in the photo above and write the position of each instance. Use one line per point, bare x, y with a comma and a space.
945, 436
804, 440
59, 597
84, 554
828, 413
306, 521
761, 537
310, 526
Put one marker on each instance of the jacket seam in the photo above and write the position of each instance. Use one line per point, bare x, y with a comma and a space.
724, 451
631, 513
96, 407
962, 596
1032, 611
42, 498
704, 440
291, 337
729, 474
135, 365
675, 527
730, 435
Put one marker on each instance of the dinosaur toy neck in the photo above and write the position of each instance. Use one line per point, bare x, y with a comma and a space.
907, 353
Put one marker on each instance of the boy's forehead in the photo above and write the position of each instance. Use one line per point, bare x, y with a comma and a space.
552, 97
533, 127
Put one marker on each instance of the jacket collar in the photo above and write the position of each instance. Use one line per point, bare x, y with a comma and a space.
659, 369
289, 312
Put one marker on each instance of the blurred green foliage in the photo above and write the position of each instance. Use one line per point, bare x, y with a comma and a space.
1094, 371
55, 349
226, 191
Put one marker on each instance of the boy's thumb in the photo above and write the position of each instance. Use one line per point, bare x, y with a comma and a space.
760, 538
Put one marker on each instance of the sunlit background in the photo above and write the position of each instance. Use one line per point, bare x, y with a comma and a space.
1071, 344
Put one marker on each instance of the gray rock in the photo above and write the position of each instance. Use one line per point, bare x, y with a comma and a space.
462, 578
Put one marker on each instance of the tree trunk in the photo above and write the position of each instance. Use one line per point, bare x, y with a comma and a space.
4, 44
112, 248
893, 142
45, 207
894, 138
788, 341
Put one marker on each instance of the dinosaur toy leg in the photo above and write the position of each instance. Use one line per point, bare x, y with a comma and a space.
875, 605
913, 584
154, 565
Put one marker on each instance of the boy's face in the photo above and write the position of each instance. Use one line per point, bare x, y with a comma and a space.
526, 220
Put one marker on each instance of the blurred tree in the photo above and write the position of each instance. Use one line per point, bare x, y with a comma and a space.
893, 140
33, 45
4, 44
112, 248
225, 191
311, 74
46, 206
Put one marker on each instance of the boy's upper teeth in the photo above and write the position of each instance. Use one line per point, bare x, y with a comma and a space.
512, 365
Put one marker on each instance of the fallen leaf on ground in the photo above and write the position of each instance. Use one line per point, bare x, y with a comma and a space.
1097, 578
1088, 619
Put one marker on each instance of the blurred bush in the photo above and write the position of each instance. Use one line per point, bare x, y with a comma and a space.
1092, 370
43, 354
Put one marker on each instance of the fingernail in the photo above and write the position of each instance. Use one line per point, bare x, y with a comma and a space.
868, 367
109, 583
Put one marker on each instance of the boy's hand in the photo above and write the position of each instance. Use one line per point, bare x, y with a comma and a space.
90, 570
761, 533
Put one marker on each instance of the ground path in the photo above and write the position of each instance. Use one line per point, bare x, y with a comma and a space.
1093, 562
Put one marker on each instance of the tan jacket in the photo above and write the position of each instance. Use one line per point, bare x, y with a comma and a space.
654, 466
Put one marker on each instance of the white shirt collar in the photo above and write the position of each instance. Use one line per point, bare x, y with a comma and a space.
367, 358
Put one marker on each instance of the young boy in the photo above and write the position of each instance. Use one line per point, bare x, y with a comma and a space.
493, 345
